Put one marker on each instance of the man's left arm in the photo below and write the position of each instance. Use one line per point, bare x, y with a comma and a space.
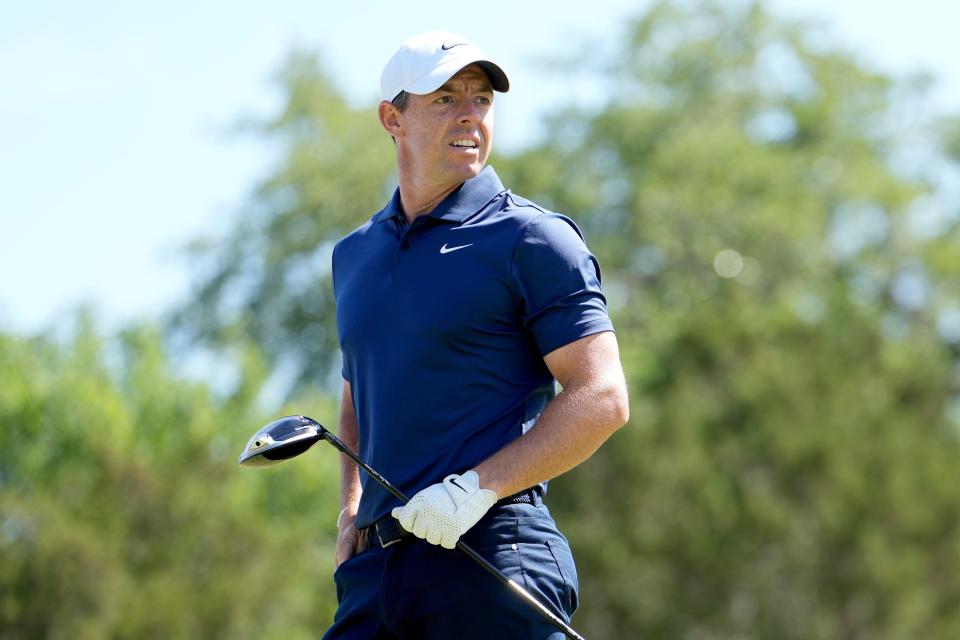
592, 405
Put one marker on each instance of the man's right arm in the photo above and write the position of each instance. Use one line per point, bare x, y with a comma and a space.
348, 540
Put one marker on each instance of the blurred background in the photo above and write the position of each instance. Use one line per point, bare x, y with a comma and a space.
772, 190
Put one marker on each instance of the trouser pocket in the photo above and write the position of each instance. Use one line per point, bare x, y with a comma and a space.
548, 569
568, 571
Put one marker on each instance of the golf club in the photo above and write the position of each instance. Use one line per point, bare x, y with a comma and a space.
290, 436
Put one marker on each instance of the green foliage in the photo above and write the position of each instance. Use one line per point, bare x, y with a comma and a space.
269, 278
123, 513
790, 467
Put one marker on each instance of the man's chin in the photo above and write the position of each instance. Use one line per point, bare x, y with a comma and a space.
470, 171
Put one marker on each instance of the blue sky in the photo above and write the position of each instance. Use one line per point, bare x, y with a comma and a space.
116, 119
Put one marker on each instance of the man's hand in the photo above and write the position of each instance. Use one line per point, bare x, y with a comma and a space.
443, 512
349, 540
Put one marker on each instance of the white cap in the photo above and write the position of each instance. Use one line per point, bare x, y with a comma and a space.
424, 62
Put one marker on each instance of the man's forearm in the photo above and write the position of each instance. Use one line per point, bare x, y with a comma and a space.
349, 433
348, 540
592, 405
349, 484
570, 430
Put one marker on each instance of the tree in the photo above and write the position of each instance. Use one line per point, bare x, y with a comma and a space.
269, 279
123, 513
787, 473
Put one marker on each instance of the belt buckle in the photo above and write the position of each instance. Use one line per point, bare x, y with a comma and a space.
384, 545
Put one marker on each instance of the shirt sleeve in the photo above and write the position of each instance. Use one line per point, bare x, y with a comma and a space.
557, 280
344, 371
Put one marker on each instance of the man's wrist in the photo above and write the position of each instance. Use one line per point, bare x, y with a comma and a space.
487, 481
350, 510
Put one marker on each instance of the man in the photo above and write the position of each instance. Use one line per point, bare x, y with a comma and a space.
458, 305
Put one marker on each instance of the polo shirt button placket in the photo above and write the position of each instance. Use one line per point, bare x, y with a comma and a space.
396, 270
405, 238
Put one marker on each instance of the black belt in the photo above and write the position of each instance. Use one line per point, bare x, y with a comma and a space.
527, 496
387, 530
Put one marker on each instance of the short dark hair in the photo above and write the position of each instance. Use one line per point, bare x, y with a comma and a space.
400, 101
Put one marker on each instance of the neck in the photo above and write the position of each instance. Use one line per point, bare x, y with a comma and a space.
420, 198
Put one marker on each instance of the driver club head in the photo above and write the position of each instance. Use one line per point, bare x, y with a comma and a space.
281, 440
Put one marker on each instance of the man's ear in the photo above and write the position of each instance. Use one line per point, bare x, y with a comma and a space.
389, 118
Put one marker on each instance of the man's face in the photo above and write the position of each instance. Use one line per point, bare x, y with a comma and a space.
446, 136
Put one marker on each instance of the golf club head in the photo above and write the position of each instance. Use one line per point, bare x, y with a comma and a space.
281, 440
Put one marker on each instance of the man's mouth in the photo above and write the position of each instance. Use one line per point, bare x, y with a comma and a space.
464, 143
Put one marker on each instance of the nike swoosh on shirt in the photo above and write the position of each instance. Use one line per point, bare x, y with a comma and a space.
446, 249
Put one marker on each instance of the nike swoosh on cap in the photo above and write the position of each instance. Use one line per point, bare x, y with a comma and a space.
446, 249
447, 47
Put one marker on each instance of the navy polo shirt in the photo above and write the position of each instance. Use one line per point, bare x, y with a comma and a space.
443, 326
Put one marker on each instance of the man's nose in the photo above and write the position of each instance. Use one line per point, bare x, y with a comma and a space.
469, 112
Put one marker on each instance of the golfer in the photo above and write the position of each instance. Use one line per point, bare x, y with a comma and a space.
460, 305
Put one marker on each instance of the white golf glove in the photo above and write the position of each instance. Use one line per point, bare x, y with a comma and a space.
443, 512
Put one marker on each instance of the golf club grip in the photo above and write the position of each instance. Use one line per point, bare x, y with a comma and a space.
551, 617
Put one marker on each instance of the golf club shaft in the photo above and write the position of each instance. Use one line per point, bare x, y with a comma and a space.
548, 615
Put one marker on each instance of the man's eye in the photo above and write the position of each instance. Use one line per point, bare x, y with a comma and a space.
483, 100
444, 100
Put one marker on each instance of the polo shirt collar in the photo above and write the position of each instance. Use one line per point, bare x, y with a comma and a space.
472, 196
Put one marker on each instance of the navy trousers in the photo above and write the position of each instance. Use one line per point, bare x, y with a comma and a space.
413, 590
